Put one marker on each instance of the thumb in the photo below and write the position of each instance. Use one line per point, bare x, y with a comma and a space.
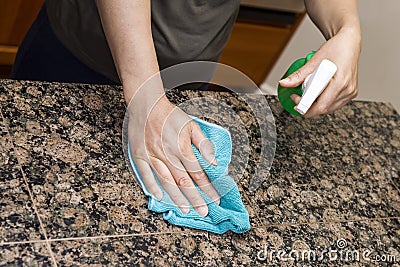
298, 77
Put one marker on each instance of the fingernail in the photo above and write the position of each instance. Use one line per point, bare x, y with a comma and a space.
292, 97
287, 79
185, 210
295, 108
202, 211
214, 162
217, 201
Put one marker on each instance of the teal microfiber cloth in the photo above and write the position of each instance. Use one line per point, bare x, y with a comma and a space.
231, 213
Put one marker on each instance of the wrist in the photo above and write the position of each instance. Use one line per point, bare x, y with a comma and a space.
353, 35
142, 97
349, 26
143, 90
353, 30
145, 103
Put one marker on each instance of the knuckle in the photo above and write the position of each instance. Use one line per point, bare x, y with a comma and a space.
354, 92
187, 151
166, 179
297, 74
201, 177
341, 81
154, 145
347, 85
183, 181
342, 85
323, 109
194, 126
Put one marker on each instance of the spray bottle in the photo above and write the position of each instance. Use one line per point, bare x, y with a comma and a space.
311, 88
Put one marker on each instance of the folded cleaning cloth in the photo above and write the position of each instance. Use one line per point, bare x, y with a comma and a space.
231, 213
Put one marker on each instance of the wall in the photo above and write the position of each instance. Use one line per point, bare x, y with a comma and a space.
380, 57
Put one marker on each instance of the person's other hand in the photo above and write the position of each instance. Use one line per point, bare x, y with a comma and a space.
162, 141
343, 49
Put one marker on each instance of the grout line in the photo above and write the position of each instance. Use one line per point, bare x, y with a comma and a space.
22, 242
92, 237
185, 233
29, 190
113, 236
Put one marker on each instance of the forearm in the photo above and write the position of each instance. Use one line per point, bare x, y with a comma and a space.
331, 16
127, 26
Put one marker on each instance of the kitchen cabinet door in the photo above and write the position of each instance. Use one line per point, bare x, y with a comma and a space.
253, 49
16, 16
258, 38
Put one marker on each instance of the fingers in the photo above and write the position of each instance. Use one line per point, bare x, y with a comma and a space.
187, 187
334, 97
148, 178
324, 102
196, 172
192, 164
203, 144
298, 77
343, 49
167, 181
322, 105
182, 183
295, 98
167, 150
329, 101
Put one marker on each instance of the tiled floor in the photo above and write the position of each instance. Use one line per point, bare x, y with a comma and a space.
68, 199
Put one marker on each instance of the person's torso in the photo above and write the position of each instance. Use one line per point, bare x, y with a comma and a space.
183, 30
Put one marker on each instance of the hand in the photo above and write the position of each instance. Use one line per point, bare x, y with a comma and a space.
343, 49
163, 143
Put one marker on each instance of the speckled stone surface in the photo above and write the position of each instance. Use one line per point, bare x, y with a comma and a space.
380, 238
18, 221
335, 177
30, 254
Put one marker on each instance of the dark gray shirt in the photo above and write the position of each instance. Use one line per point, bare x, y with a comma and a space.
183, 30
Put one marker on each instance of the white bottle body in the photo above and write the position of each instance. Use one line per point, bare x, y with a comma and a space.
315, 84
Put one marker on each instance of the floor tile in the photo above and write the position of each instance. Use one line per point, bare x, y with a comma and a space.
31, 254
343, 243
18, 221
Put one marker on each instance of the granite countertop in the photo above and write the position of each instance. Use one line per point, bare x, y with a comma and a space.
68, 198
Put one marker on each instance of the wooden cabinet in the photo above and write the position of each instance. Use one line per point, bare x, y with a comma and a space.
16, 16
257, 40
253, 49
